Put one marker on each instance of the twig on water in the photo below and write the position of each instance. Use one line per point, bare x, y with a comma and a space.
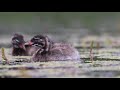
3, 55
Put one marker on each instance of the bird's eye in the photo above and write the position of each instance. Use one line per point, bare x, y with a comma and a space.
41, 40
13, 41
17, 40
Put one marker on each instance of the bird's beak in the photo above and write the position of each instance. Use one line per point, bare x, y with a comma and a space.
29, 43
23, 46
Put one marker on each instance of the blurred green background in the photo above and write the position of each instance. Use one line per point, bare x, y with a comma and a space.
60, 22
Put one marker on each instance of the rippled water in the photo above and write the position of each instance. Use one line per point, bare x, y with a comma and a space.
106, 60
77, 28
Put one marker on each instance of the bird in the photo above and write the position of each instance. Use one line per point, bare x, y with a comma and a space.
20, 47
48, 50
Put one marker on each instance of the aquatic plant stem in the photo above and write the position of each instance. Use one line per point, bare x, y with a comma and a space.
3, 55
91, 54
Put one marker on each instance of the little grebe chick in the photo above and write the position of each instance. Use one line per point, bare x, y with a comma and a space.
20, 47
52, 51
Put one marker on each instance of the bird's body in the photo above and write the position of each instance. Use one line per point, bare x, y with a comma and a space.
52, 51
58, 52
41, 48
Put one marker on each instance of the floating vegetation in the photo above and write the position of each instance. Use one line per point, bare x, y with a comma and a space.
95, 54
3, 54
97, 65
